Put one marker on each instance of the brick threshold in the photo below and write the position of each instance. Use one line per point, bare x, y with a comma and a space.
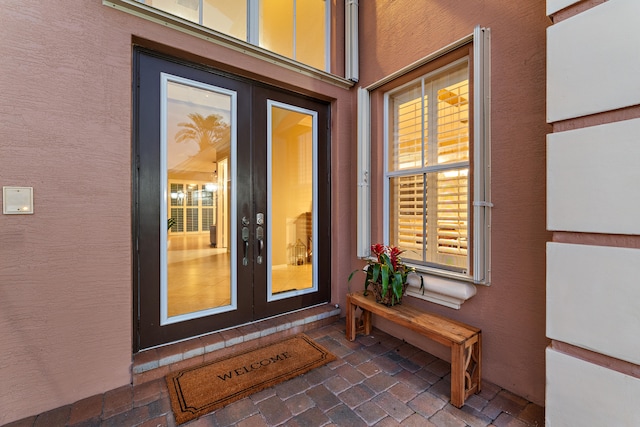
151, 364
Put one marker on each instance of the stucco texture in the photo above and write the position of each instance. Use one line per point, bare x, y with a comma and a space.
66, 306
396, 33
65, 280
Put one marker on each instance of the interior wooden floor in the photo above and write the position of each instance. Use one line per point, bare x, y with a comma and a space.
199, 275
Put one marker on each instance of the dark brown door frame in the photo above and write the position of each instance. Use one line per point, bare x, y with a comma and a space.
252, 193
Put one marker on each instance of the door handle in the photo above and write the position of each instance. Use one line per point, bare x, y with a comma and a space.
260, 237
245, 240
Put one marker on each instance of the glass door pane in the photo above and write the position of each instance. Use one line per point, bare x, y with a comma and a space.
197, 278
291, 173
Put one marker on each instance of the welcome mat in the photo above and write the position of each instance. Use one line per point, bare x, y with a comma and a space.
205, 388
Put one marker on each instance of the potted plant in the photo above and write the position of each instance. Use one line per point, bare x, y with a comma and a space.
386, 274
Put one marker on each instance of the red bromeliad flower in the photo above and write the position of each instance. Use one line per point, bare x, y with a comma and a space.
386, 272
377, 249
394, 254
391, 251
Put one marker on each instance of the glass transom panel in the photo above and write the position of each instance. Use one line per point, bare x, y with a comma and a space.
296, 29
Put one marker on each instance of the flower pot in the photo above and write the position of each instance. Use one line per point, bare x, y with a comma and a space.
388, 298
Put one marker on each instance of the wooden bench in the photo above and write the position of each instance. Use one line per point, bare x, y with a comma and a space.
465, 341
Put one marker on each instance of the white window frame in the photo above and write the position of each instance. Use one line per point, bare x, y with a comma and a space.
441, 286
430, 169
165, 196
314, 208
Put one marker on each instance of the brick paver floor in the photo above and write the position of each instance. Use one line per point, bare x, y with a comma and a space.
377, 380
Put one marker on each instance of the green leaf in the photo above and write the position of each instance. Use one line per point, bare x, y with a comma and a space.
385, 279
376, 272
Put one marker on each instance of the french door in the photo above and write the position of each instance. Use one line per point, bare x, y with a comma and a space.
231, 201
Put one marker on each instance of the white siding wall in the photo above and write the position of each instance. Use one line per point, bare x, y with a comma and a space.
592, 294
590, 176
593, 62
582, 394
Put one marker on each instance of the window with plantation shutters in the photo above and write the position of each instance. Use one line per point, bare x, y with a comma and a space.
427, 174
435, 170
192, 206
206, 201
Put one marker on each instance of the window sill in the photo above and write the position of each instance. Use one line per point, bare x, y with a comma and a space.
439, 290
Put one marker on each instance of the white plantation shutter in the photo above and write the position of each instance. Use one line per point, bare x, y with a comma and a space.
206, 199
409, 227
452, 185
406, 141
453, 208
178, 215
192, 206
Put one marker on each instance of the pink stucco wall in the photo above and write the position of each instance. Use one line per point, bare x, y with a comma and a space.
65, 109
65, 275
511, 312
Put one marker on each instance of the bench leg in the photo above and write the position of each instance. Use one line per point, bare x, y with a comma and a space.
474, 366
356, 325
457, 375
351, 320
366, 325
466, 367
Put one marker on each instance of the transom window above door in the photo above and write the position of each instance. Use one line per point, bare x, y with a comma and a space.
296, 29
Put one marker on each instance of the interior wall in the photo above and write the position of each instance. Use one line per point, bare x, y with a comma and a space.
511, 312
66, 278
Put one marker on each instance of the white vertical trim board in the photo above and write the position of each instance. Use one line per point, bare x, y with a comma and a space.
593, 62
593, 179
352, 70
253, 19
482, 155
592, 298
582, 394
364, 174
